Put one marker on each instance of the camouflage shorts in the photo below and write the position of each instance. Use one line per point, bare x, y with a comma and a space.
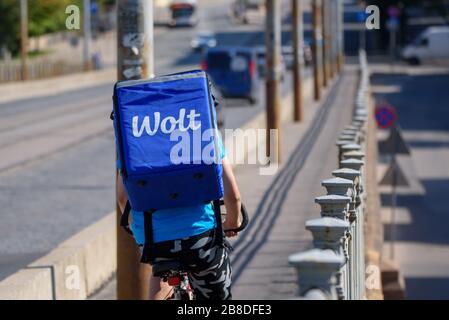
209, 264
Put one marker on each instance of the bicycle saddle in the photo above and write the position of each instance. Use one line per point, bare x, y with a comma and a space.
162, 268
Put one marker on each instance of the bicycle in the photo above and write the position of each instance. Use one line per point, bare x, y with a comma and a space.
177, 275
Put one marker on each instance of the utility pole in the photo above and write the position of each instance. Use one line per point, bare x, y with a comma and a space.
325, 51
335, 35
134, 61
331, 32
317, 48
24, 38
87, 35
273, 62
340, 36
298, 58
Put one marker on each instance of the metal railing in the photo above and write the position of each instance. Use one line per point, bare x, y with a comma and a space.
335, 268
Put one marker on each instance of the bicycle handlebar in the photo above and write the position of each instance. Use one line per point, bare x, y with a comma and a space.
245, 219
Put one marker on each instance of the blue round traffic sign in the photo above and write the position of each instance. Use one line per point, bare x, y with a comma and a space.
386, 116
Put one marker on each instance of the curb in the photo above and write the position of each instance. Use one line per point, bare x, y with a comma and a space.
373, 224
72, 271
56, 85
82, 264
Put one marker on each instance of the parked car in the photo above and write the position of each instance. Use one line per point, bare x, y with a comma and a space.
261, 63
430, 46
288, 55
203, 41
308, 55
233, 70
220, 107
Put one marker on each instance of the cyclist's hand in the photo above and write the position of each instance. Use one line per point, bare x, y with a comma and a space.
229, 225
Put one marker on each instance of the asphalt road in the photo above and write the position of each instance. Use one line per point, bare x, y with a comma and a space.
57, 192
421, 97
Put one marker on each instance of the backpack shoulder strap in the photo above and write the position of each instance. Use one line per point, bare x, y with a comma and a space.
124, 219
220, 237
148, 255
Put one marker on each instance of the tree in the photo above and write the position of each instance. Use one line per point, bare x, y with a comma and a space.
47, 16
9, 25
44, 16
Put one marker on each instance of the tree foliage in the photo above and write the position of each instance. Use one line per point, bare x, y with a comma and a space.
44, 16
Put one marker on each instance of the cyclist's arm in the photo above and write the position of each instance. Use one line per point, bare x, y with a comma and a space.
122, 196
231, 199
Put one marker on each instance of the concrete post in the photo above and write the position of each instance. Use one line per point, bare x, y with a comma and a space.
361, 112
346, 147
351, 147
317, 271
353, 177
330, 233
352, 164
353, 154
351, 130
349, 136
359, 216
338, 186
334, 206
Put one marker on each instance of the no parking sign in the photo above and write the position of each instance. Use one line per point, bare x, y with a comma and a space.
386, 116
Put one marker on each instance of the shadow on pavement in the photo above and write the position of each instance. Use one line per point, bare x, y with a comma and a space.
426, 105
427, 288
429, 214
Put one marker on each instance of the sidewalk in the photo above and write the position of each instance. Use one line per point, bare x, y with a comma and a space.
279, 205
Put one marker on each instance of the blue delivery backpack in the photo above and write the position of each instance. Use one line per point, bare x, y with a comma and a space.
168, 147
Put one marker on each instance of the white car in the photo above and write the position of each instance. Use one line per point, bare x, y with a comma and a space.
203, 40
431, 46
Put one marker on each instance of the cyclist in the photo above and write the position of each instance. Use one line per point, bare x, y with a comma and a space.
187, 234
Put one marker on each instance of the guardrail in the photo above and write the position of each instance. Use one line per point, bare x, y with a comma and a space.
335, 268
